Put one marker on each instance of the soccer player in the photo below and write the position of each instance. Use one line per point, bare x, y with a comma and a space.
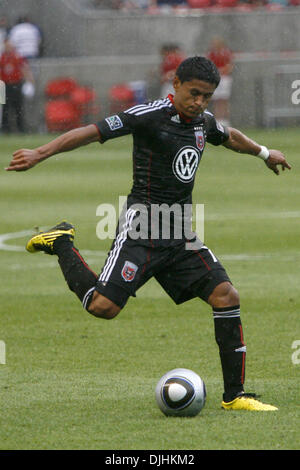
169, 137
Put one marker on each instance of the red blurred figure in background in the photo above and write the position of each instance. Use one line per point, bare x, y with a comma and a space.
172, 56
14, 72
222, 57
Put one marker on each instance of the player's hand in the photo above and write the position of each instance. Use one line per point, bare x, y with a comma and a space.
277, 158
23, 159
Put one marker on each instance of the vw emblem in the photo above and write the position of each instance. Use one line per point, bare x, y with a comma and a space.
185, 164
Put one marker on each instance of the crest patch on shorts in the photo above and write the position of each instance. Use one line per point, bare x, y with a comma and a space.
128, 271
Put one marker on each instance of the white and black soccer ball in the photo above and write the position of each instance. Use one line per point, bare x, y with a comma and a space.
180, 392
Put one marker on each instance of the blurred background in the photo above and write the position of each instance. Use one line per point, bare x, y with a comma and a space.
71, 62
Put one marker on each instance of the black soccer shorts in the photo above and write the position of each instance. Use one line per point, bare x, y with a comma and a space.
182, 273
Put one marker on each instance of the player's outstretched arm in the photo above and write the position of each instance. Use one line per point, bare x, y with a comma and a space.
239, 142
23, 159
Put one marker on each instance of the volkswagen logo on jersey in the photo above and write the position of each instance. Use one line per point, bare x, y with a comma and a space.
185, 164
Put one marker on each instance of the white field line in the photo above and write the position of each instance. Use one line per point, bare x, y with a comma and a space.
11, 236
209, 217
27, 233
94, 256
253, 215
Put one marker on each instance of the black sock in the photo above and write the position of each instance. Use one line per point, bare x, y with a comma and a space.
229, 337
80, 278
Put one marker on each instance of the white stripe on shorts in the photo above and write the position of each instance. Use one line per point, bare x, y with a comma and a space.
87, 296
114, 253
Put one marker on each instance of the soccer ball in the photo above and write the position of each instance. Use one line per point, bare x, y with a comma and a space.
180, 392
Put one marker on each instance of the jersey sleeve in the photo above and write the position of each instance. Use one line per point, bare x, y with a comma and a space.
117, 125
217, 134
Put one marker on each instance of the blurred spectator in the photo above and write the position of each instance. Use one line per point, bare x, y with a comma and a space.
278, 3
222, 56
136, 4
155, 5
108, 4
253, 3
171, 57
26, 37
3, 32
170, 3
14, 71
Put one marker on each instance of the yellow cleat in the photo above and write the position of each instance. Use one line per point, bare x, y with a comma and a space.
43, 241
248, 402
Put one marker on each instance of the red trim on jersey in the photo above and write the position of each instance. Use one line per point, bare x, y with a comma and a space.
149, 177
208, 267
171, 98
243, 368
147, 261
99, 133
82, 260
149, 187
241, 333
244, 355
183, 116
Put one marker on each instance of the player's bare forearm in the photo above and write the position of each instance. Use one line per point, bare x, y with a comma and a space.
69, 141
239, 142
23, 159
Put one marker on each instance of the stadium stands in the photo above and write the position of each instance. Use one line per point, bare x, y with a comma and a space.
159, 6
69, 104
199, 3
121, 96
114, 46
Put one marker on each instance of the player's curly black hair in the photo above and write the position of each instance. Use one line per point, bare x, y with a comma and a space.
200, 68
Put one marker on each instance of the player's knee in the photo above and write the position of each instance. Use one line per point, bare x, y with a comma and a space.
102, 307
224, 295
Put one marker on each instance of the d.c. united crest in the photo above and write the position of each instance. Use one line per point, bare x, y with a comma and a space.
200, 140
128, 271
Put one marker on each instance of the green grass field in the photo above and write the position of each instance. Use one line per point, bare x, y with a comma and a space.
72, 381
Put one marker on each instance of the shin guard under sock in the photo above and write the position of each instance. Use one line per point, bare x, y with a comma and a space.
229, 337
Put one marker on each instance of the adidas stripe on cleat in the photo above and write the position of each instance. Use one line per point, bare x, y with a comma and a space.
43, 241
249, 402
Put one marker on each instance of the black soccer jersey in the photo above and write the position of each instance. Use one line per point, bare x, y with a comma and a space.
167, 149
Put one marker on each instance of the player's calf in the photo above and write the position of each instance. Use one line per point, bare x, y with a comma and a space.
229, 337
232, 349
80, 278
